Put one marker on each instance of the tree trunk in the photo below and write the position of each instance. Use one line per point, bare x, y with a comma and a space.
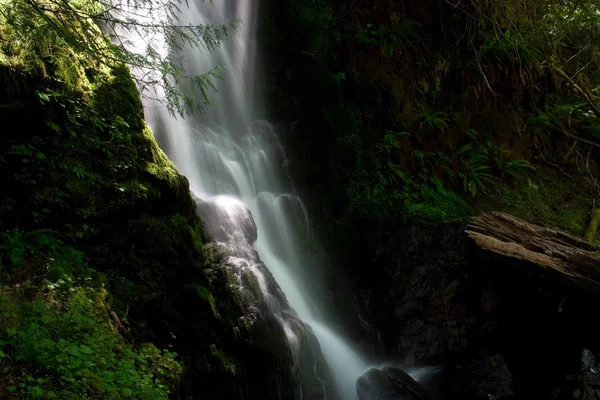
569, 259
593, 226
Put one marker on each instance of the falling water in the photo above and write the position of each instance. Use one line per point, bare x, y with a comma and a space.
235, 163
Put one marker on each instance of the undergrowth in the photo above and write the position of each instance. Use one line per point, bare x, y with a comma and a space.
59, 338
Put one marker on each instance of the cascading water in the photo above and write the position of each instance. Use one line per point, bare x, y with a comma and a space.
235, 164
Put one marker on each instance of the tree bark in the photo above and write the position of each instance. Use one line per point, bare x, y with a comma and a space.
569, 259
593, 226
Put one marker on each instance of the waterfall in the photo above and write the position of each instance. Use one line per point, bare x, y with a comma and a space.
237, 168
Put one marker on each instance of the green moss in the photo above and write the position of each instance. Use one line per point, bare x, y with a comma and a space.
117, 95
9, 314
546, 197
205, 294
223, 359
250, 283
161, 167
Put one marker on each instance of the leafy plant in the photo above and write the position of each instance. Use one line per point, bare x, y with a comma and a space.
391, 140
539, 123
17, 244
435, 119
474, 172
513, 167
72, 338
513, 47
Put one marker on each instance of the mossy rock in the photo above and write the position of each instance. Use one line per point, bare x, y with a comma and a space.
77, 158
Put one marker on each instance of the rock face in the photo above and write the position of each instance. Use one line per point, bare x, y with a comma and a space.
419, 306
482, 376
497, 323
585, 383
389, 384
260, 312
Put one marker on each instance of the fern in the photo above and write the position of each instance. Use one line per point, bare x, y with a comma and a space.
511, 47
436, 119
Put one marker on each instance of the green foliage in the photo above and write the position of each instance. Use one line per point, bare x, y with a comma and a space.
572, 119
513, 167
539, 124
543, 196
318, 18
66, 339
72, 349
205, 294
18, 245
391, 39
401, 193
223, 359
32, 29
474, 172
426, 192
511, 47
391, 140
435, 119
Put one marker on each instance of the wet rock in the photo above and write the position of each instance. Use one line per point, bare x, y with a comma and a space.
482, 376
227, 219
291, 363
585, 384
389, 384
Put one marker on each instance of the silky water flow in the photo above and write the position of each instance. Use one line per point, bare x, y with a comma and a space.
236, 167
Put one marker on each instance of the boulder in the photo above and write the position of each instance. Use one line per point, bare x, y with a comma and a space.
389, 384
482, 376
585, 383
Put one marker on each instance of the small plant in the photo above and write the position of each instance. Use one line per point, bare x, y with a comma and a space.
513, 167
371, 34
539, 124
339, 77
474, 172
512, 47
392, 38
18, 244
435, 120
391, 140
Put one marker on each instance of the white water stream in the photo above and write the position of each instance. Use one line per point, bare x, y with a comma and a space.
233, 161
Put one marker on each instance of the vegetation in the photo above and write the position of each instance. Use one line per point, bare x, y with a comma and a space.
59, 338
133, 34
421, 113
106, 287
491, 93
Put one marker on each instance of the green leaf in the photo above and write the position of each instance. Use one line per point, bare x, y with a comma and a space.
86, 350
54, 127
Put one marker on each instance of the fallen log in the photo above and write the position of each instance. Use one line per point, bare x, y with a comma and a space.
570, 259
